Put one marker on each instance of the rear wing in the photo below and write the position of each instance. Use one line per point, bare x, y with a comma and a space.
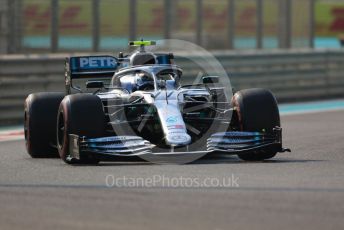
89, 67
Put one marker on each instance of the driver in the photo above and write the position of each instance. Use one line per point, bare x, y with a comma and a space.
144, 81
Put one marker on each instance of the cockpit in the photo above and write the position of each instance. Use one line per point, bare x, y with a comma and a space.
147, 71
148, 78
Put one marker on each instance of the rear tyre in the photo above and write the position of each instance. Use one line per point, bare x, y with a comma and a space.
83, 115
40, 111
257, 111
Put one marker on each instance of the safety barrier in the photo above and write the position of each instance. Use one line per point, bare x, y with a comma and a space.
292, 75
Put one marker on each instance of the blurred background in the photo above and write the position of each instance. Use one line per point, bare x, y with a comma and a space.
290, 47
104, 25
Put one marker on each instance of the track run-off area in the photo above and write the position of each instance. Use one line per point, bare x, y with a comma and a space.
303, 189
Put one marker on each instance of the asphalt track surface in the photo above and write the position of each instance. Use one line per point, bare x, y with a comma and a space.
299, 190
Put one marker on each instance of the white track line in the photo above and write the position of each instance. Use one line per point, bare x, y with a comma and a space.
11, 135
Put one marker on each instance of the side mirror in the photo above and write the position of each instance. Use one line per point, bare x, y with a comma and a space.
94, 84
210, 79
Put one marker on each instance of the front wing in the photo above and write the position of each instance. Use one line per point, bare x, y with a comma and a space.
234, 142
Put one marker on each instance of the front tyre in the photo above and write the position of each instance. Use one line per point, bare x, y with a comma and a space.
83, 115
40, 111
257, 111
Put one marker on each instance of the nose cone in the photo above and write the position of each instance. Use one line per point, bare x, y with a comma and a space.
178, 139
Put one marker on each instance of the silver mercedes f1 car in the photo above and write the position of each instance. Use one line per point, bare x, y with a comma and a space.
135, 105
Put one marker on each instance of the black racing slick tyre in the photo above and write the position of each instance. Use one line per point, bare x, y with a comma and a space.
257, 111
82, 115
40, 112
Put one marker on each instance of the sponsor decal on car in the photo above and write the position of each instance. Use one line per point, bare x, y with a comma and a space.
97, 62
93, 63
176, 127
172, 119
179, 138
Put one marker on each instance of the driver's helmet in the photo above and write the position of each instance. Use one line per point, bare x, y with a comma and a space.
144, 80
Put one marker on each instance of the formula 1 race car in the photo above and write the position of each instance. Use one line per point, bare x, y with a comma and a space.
138, 107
